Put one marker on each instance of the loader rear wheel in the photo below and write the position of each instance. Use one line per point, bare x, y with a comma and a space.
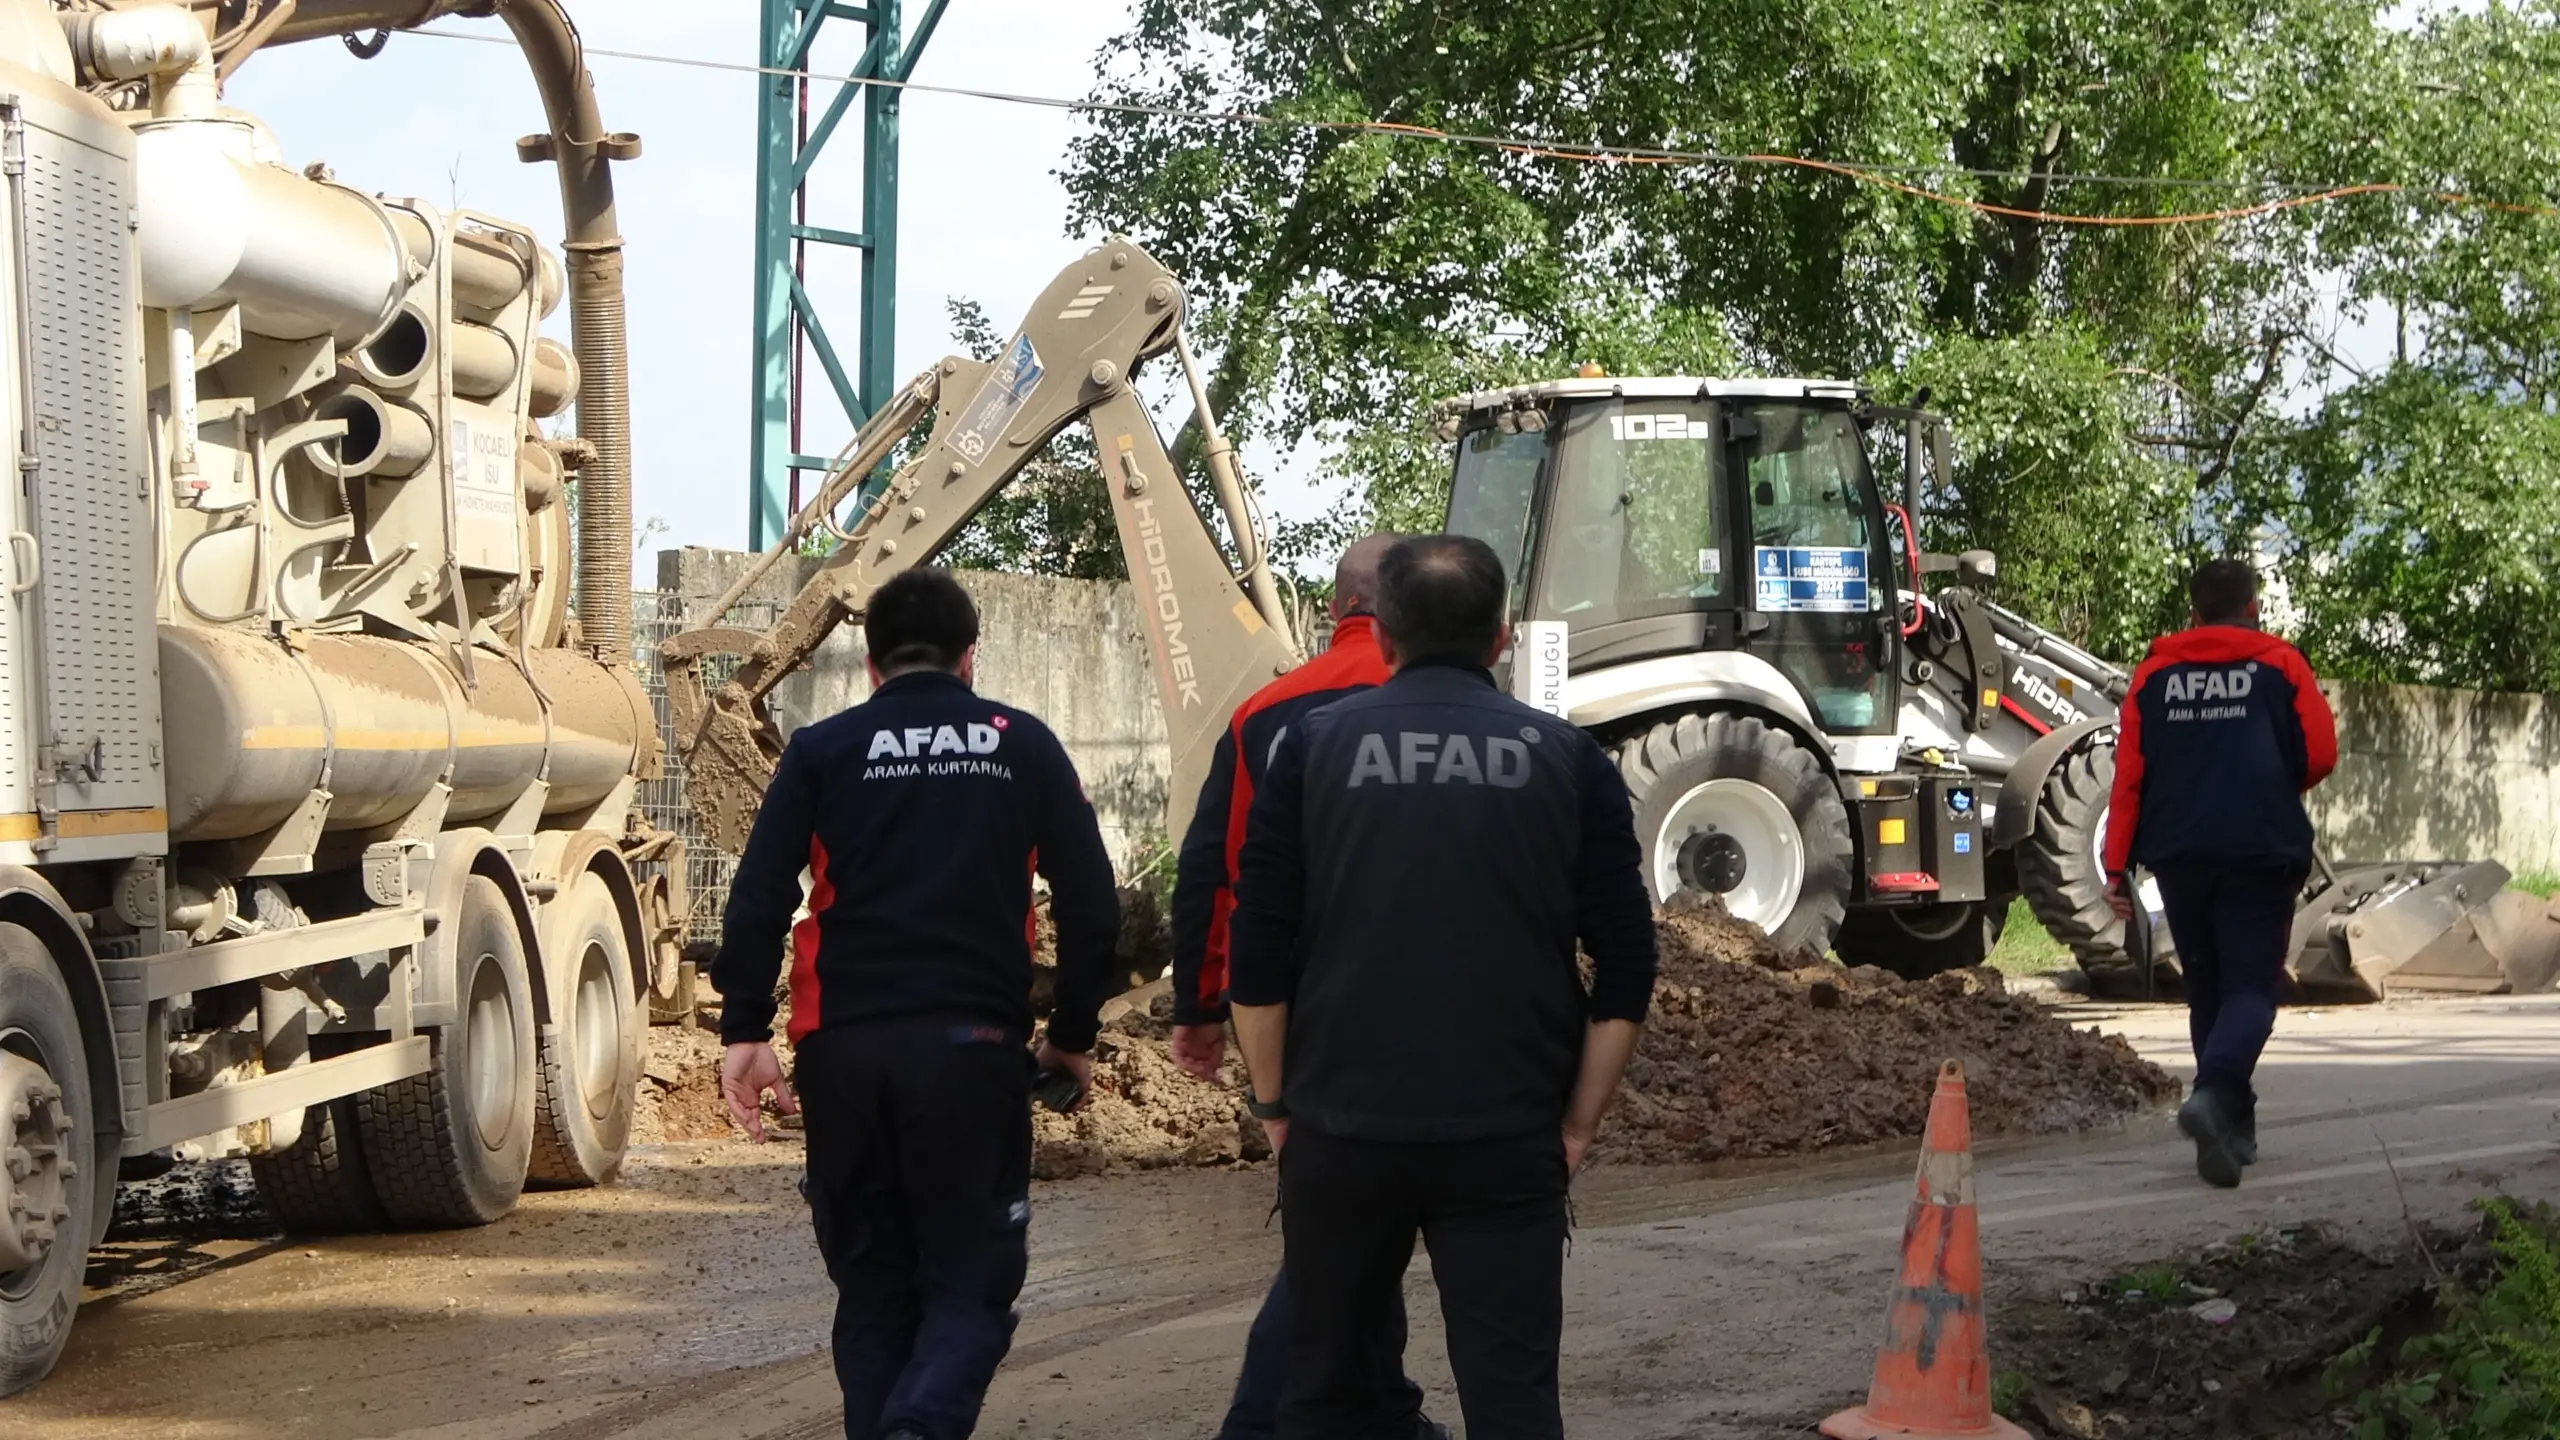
590, 1062
48, 1191
2063, 873
1918, 941
451, 1147
1732, 806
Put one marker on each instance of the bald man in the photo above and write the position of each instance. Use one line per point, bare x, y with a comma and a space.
1204, 897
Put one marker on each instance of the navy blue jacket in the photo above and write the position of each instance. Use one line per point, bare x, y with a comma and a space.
920, 815
1420, 860
2223, 730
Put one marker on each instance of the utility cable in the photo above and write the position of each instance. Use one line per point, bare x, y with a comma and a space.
1879, 174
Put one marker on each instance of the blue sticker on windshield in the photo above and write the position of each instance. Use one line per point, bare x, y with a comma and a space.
1820, 579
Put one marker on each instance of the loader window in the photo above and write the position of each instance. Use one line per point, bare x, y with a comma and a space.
1490, 497
1815, 563
1634, 528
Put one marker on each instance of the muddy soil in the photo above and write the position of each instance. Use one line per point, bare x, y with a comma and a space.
2230, 1343
1750, 1053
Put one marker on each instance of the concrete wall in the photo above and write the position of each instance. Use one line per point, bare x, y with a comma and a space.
1068, 651
2442, 774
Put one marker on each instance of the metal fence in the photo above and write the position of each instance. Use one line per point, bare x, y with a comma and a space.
655, 615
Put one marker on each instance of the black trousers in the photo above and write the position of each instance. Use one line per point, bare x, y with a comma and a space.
2232, 928
1492, 1212
1254, 1413
919, 1175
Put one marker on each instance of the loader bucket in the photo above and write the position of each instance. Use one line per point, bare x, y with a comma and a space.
2443, 926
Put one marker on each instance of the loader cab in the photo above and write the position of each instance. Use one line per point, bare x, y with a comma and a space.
1663, 517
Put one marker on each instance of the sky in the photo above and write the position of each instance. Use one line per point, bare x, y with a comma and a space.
982, 216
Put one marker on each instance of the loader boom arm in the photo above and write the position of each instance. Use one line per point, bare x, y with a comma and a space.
1212, 638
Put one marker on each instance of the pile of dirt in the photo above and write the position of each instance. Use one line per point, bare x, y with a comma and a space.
1145, 1112
1143, 952
1751, 1053
2238, 1341
1748, 1054
680, 1087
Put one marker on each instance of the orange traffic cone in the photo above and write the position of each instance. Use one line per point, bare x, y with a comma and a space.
1933, 1375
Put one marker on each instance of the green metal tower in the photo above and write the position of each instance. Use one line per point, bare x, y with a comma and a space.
789, 331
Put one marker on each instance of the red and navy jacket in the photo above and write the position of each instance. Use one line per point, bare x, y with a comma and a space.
920, 816
1204, 874
2222, 731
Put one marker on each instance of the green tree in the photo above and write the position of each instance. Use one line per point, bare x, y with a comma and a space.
2113, 380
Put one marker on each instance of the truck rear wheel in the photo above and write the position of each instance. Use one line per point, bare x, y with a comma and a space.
1732, 806
1918, 941
451, 1147
590, 1063
318, 1185
47, 1195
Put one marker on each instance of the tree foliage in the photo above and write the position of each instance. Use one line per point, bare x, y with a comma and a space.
2132, 397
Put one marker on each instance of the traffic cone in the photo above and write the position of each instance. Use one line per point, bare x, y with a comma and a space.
1933, 1374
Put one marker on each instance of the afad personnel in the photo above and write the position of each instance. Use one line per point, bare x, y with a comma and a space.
920, 815
2223, 730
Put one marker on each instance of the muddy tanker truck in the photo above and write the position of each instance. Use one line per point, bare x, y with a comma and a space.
316, 843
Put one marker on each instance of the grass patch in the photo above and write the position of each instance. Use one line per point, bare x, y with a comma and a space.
2025, 948
2542, 883
2490, 1370
2007, 1389
2159, 1284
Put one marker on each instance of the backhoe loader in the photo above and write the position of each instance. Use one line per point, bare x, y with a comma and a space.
1706, 574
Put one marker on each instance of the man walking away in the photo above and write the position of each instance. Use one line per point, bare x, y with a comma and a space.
1204, 898
919, 815
1419, 863
2223, 731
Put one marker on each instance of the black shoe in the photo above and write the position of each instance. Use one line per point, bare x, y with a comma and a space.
1426, 1428
2244, 1142
904, 1434
2205, 1122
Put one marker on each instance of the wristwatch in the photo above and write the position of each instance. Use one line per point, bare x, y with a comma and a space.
1265, 1110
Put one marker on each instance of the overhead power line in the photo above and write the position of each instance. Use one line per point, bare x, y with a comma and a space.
1883, 174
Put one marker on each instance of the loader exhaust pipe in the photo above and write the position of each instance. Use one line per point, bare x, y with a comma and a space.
584, 152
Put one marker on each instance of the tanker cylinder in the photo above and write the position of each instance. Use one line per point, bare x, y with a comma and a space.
555, 378
484, 360
538, 471
301, 258
385, 439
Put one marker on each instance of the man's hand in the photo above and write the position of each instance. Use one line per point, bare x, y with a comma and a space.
1576, 1145
1200, 1049
1050, 1057
2118, 900
747, 1071
1278, 1130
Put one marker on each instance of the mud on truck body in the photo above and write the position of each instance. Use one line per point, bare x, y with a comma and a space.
315, 843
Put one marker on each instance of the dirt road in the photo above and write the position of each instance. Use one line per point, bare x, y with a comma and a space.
688, 1299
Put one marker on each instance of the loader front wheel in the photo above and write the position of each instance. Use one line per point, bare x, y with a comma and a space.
1732, 806
451, 1147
